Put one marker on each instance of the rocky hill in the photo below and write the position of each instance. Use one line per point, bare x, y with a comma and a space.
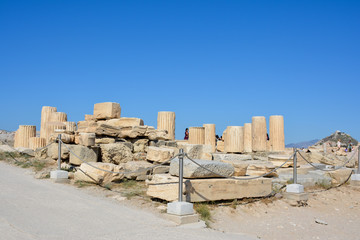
7, 137
338, 135
305, 144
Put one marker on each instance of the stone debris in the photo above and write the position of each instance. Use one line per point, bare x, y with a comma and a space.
87, 173
191, 170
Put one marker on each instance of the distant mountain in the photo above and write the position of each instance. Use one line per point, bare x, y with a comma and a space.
302, 144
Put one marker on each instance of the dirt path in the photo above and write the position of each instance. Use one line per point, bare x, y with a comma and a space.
40, 209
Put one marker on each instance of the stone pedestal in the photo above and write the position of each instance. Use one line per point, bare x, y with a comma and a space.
181, 212
36, 142
247, 138
166, 121
259, 138
23, 135
197, 135
234, 140
45, 117
210, 134
277, 138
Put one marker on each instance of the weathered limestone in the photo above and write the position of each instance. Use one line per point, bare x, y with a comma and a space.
52, 151
278, 160
140, 145
93, 175
234, 141
132, 132
116, 153
339, 176
70, 126
107, 110
166, 121
196, 151
159, 154
231, 157
220, 146
247, 138
259, 167
36, 142
196, 135
45, 118
259, 132
276, 129
107, 130
200, 190
239, 167
87, 139
191, 170
153, 134
58, 117
56, 122
89, 117
210, 134
125, 122
65, 138
139, 170
104, 140
23, 135
88, 154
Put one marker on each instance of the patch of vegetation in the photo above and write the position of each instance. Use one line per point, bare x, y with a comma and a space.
204, 211
108, 186
38, 165
128, 183
132, 193
234, 204
81, 184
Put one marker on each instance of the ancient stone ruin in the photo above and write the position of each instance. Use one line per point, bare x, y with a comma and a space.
125, 144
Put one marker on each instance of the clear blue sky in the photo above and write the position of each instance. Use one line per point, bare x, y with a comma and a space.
216, 62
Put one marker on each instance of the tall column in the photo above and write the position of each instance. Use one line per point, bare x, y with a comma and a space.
36, 142
197, 135
70, 126
247, 137
259, 132
24, 134
210, 133
277, 138
234, 140
45, 117
166, 121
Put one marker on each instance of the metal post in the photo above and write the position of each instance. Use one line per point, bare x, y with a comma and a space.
59, 157
295, 167
181, 165
358, 170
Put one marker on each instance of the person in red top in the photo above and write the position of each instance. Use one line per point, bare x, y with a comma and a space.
186, 134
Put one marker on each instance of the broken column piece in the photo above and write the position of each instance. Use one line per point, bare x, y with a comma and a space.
259, 132
23, 135
210, 133
247, 138
234, 141
45, 118
197, 135
166, 121
37, 142
277, 139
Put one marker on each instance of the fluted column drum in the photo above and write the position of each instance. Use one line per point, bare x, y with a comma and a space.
70, 126
234, 140
24, 134
259, 132
247, 138
36, 142
166, 121
58, 117
16, 139
210, 133
197, 135
51, 127
277, 138
45, 117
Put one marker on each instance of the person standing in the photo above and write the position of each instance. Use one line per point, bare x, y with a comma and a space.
349, 147
186, 134
338, 144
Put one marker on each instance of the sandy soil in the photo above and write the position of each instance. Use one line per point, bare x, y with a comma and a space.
337, 211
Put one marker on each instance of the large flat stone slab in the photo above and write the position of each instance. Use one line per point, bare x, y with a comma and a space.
231, 157
191, 170
164, 186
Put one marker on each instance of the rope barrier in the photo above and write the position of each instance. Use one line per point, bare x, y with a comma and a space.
327, 170
249, 178
125, 173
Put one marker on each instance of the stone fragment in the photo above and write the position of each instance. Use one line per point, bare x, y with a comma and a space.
157, 134
65, 138
239, 167
259, 167
140, 145
220, 146
339, 176
70, 127
115, 153
159, 154
278, 160
196, 151
165, 187
140, 156
53, 150
107, 130
125, 122
89, 117
88, 154
231, 157
138, 170
132, 132
87, 126
161, 170
104, 140
107, 110
191, 170
87, 139
87, 173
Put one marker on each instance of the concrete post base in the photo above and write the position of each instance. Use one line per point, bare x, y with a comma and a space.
59, 176
296, 196
180, 208
294, 188
355, 180
186, 219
